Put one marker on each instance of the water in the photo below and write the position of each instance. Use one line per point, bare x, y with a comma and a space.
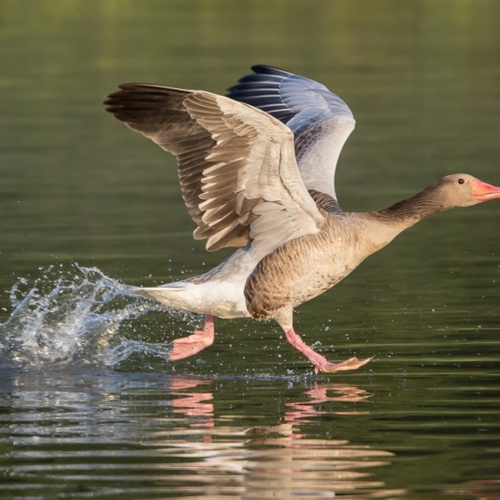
69, 315
91, 408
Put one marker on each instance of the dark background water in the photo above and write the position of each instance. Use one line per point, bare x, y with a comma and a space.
89, 408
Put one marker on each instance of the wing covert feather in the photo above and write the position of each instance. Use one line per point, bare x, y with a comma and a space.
236, 164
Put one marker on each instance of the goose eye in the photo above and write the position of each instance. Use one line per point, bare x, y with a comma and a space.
461, 181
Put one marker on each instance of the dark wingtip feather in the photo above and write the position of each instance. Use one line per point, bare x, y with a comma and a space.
135, 91
264, 69
137, 101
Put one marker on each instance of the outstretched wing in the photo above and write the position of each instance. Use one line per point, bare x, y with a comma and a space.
237, 168
320, 121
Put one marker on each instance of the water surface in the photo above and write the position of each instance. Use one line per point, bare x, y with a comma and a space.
89, 406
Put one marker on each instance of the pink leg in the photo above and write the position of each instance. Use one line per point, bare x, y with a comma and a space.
194, 343
320, 363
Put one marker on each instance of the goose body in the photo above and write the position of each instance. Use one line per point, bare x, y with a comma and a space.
256, 170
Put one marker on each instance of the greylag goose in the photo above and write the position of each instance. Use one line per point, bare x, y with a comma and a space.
256, 171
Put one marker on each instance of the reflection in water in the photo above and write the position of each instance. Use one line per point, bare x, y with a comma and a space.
187, 403
303, 412
150, 436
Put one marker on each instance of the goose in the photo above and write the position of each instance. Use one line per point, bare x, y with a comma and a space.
256, 169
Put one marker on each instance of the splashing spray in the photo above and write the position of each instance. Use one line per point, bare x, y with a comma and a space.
75, 314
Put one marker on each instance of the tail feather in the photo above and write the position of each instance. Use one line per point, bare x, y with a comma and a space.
204, 298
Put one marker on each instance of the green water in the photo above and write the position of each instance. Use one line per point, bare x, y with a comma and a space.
246, 418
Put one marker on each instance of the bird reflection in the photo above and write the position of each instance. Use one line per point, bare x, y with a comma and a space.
279, 460
188, 403
194, 435
304, 411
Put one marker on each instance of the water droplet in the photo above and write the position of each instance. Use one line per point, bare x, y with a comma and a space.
68, 314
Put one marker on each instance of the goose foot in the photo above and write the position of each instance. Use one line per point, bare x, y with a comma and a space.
349, 364
321, 364
194, 343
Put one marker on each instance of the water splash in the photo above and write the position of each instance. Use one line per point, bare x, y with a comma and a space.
74, 314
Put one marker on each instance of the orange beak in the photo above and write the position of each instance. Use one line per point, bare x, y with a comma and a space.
484, 192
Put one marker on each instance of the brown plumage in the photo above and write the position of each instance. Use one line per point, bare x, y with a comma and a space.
256, 171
